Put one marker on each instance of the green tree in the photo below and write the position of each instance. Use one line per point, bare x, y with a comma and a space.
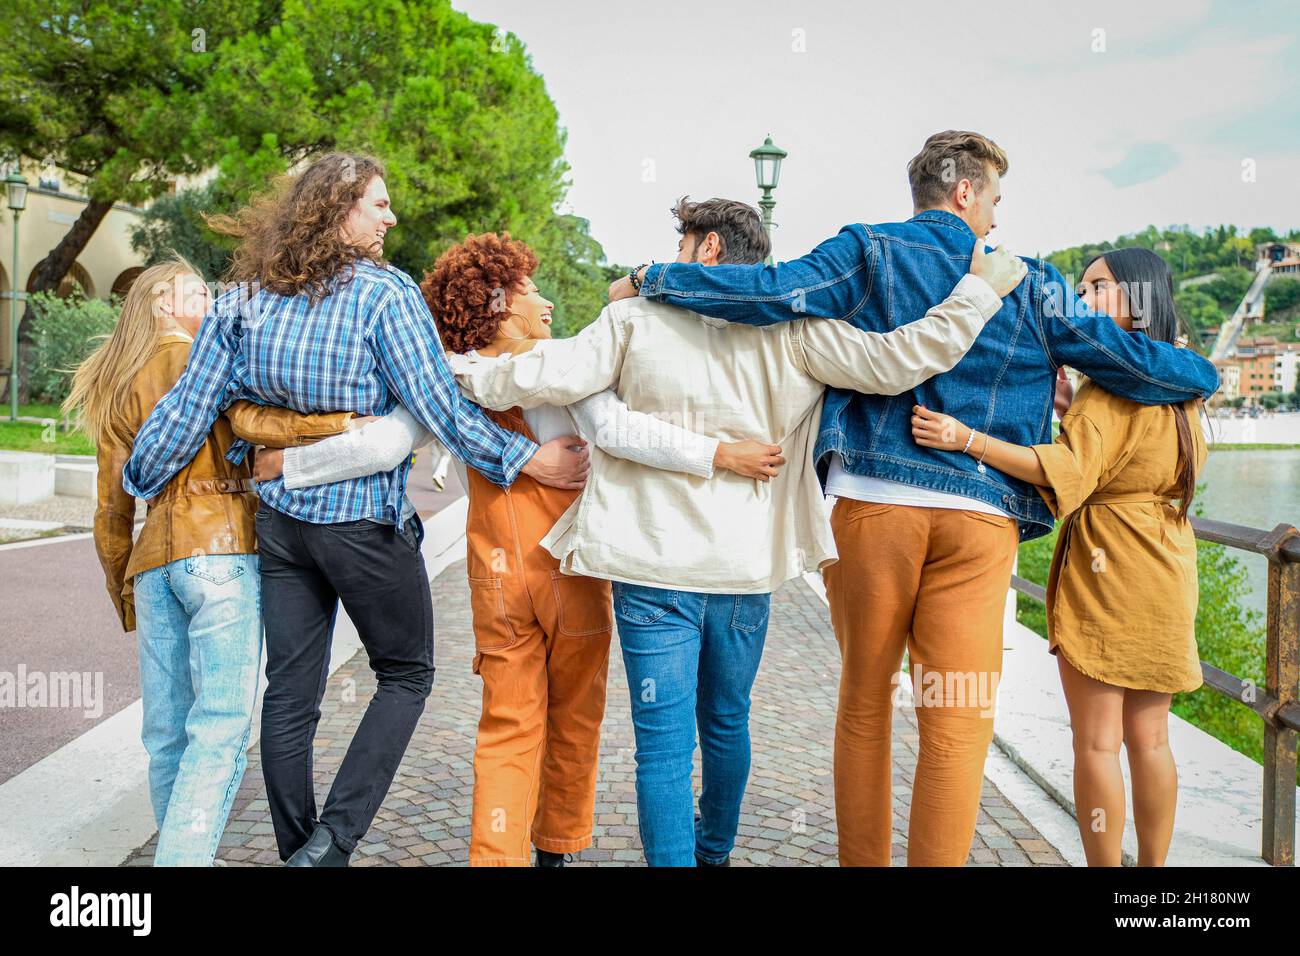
573, 274
1281, 294
64, 331
175, 224
453, 108
130, 97
108, 92
1198, 309
1228, 286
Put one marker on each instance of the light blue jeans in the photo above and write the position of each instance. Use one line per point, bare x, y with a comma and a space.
691, 658
199, 625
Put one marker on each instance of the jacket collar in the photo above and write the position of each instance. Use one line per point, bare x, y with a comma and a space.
945, 217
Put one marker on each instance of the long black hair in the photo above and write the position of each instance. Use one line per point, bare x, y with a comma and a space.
1148, 286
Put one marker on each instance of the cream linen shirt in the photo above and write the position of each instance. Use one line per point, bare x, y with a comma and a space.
728, 534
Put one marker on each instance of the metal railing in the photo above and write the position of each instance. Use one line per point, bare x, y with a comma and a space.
1276, 705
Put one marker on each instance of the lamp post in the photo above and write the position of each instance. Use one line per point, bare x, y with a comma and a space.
767, 171
16, 190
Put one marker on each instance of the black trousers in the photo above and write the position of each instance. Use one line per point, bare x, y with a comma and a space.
379, 575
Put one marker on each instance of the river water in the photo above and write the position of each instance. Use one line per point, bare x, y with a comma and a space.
1256, 488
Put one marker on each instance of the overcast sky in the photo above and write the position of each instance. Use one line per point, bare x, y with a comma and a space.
1114, 114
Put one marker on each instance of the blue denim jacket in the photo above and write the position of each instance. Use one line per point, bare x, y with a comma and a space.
883, 276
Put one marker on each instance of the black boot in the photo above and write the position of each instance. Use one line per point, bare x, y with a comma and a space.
547, 858
319, 850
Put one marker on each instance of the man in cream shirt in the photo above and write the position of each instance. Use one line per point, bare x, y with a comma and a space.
694, 560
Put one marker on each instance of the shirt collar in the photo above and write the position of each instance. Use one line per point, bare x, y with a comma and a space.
943, 216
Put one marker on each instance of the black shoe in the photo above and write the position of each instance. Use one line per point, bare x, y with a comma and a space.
547, 858
702, 862
319, 850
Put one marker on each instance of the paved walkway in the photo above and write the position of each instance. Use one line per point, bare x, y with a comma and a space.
787, 818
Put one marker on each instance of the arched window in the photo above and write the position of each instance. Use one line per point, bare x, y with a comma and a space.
123, 281
77, 277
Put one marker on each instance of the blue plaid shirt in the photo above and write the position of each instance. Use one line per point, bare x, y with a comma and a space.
366, 347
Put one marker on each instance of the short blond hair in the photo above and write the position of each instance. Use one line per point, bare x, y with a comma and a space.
946, 159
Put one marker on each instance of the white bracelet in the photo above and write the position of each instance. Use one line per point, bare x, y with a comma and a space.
969, 438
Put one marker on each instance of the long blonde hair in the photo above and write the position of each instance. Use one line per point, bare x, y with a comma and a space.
102, 383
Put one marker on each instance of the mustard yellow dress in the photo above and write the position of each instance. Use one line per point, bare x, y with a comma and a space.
1122, 590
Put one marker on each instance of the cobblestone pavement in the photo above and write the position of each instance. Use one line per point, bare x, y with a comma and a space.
787, 818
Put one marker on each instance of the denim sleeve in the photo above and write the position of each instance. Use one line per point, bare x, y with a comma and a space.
827, 283
180, 422
413, 365
1128, 364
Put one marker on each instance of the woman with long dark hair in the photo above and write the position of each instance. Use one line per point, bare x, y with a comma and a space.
1122, 590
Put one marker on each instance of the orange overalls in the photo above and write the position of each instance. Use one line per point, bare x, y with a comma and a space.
542, 641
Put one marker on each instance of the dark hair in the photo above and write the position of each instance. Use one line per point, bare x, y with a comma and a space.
738, 225
946, 159
1148, 287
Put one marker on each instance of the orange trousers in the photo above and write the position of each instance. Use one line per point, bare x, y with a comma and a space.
542, 648
932, 581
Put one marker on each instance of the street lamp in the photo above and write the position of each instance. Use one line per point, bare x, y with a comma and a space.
767, 171
16, 190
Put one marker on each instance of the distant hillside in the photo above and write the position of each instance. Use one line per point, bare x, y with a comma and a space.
1223, 252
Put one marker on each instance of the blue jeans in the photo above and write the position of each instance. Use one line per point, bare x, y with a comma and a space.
690, 658
199, 625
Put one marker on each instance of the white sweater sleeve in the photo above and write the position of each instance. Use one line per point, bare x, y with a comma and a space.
643, 438
377, 446
889, 363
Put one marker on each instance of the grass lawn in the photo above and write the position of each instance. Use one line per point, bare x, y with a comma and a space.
38, 411
43, 439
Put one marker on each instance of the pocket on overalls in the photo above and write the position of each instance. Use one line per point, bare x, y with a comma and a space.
584, 604
492, 628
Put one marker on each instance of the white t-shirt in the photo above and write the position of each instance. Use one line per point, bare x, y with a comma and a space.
841, 484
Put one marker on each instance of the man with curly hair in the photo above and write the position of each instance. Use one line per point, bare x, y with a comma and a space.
318, 321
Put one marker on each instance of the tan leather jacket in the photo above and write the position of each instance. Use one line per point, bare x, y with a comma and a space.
209, 506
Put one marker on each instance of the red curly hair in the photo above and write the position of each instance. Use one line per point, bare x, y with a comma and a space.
469, 288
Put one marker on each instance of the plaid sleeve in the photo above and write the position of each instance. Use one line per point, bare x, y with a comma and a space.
414, 367
180, 422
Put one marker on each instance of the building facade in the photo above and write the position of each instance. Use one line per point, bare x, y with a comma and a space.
106, 266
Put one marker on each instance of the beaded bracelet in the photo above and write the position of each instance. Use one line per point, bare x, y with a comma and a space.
633, 276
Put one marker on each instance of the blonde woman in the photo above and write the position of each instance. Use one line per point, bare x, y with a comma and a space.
189, 584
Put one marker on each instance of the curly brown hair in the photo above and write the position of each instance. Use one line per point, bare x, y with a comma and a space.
291, 238
469, 288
